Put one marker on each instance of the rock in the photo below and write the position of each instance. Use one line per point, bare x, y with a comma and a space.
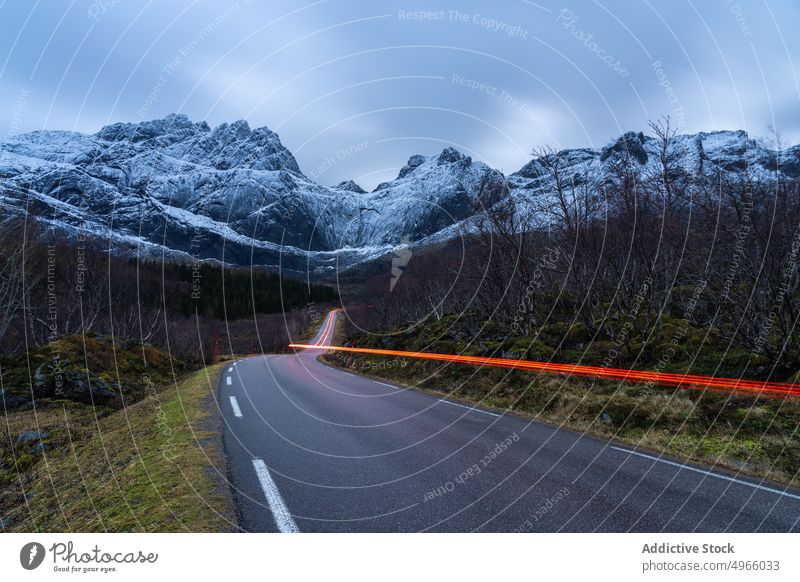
631, 144
10, 401
413, 162
65, 381
28, 436
350, 186
39, 376
448, 156
95, 390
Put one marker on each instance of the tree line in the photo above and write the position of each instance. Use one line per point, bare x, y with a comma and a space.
619, 257
52, 285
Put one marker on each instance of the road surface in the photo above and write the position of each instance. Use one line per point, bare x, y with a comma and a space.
315, 449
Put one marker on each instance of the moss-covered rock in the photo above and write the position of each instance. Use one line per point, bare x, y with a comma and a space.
88, 369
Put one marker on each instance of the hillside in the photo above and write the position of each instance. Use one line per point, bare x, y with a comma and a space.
237, 195
109, 438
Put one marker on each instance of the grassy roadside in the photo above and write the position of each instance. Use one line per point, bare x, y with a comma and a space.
154, 466
753, 436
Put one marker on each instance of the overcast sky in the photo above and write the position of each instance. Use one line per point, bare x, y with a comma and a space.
356, 87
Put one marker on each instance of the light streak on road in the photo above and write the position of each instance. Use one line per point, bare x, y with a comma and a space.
686, 381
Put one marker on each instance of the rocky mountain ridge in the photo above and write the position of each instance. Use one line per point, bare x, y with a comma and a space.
237, 195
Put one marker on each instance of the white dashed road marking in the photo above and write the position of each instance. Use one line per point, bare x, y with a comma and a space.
237, 412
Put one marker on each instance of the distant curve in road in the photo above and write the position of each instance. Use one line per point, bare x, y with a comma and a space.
312, 448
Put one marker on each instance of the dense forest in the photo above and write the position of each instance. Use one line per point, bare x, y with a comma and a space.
239, 293
52, 286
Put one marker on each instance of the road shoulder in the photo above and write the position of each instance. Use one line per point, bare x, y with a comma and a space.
154, 466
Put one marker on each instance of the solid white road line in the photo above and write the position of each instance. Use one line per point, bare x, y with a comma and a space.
228, 381
709, 473
237, 412
283, 519
468, 407
389, 385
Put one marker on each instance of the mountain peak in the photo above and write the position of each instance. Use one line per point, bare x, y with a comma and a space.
630, 143
144, 130
237, 130
413, 163
227, 146
350, 186
450, 155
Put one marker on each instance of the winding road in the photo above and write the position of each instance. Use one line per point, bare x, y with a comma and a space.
312, 448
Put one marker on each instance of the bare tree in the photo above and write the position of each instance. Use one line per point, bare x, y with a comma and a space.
12, 267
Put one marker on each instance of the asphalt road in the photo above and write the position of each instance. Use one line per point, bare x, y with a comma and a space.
315, 449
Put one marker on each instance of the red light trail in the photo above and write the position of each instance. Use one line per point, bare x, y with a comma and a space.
327, 331
686, 381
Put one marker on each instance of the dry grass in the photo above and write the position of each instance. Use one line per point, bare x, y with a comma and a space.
155, 466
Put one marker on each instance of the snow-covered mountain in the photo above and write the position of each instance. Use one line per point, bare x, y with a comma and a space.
238, 195
701, 154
